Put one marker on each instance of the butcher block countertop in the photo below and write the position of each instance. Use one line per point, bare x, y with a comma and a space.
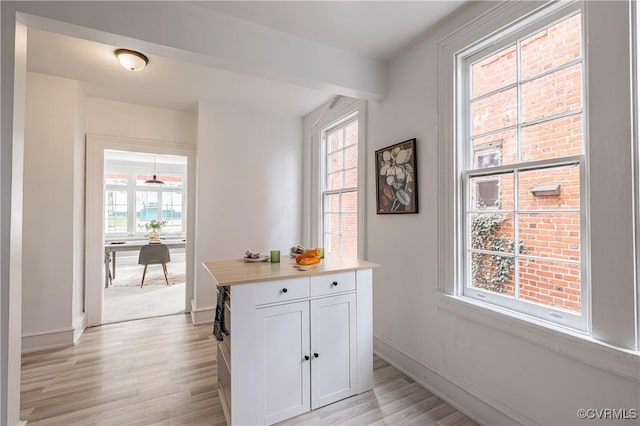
232, 272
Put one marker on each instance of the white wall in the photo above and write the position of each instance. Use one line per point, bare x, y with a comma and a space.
249, 180
52, 240
111, 118
475, 365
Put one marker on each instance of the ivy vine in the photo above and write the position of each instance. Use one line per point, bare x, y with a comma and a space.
491, 271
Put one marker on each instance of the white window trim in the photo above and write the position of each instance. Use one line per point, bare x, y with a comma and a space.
473, 54
348, 119
323, 117
612, 345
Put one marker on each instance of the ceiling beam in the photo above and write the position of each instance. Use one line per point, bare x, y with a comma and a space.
188, 32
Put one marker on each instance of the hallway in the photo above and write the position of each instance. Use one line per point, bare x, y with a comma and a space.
162, 371
154, 371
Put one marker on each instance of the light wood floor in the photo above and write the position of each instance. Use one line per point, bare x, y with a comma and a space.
161, 371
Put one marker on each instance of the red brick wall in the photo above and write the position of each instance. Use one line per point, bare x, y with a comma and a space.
546, 235
343, 226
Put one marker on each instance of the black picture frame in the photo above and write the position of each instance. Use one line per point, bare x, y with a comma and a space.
397, 179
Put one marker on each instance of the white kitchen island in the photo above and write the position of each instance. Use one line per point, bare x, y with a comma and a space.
299, 339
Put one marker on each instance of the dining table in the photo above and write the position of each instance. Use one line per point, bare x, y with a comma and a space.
112, 247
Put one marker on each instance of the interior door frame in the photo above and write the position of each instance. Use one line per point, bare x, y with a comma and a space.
94, 213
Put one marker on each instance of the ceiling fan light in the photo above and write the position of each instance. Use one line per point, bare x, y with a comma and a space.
131, 60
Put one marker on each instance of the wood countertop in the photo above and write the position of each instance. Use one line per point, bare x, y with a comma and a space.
232, 272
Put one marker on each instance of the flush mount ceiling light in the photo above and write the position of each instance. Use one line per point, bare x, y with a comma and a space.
131, 60
155, 180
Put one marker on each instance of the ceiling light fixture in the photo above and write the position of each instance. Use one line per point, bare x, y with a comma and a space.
131, 60
155, 180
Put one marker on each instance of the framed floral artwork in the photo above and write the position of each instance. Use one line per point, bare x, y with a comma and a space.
396, 180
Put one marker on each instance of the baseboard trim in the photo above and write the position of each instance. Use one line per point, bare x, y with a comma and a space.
78, 327
49, 339
202, 315
479, 407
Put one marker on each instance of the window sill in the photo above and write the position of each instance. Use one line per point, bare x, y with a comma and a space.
580, 347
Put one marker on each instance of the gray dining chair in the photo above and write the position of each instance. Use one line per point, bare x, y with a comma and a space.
154, 254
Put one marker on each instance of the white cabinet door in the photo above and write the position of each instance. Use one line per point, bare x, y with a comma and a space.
333, 349
286, 371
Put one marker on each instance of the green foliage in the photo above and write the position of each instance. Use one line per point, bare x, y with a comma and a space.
155, 225
491, 271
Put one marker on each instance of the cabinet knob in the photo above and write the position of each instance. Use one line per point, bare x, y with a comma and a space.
315, 355
335, 283
306, 357
284, 290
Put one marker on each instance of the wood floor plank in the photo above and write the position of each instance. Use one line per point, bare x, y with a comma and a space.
162, 371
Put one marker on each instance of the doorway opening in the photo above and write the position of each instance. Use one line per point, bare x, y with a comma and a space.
144, 233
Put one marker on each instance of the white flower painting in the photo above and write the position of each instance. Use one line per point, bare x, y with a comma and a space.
396, 178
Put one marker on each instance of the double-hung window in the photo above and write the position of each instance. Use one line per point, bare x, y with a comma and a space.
340, 187
521, 139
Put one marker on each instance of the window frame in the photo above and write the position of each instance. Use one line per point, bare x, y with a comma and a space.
466, 160
331, 111
132, 188
159, 190
115, 188
342, 122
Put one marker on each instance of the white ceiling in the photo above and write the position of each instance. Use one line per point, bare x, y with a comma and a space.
165, 83
374, 29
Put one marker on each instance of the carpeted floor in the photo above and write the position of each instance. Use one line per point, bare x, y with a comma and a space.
124, 300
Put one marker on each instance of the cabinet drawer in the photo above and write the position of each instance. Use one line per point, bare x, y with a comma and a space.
333, 283
282, 290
